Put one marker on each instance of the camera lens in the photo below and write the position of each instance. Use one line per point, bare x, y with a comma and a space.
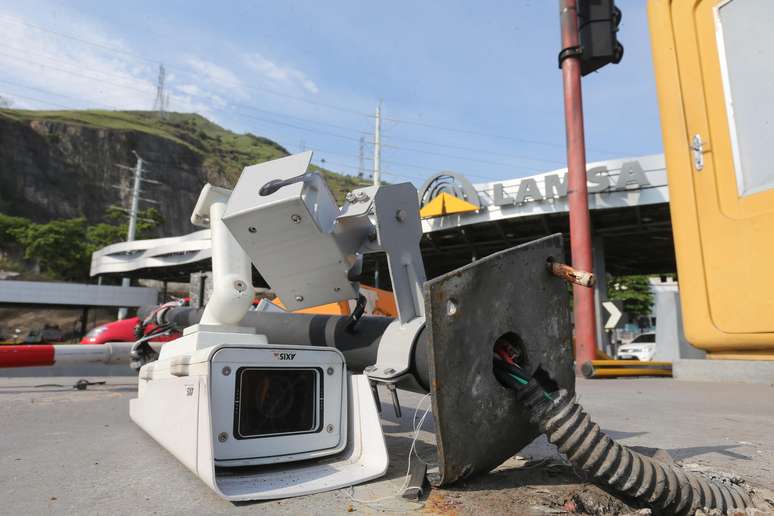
277, 401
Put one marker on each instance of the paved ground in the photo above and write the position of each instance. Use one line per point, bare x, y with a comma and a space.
76, 452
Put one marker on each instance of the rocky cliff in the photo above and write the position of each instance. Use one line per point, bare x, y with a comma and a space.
64, 164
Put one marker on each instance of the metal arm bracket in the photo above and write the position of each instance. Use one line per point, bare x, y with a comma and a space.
399, 232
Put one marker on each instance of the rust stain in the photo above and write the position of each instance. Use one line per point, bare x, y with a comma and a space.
570, 275
438, 503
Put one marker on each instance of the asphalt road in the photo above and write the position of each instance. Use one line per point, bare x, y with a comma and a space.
76, 452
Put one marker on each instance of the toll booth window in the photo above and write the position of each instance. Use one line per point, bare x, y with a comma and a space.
746, 50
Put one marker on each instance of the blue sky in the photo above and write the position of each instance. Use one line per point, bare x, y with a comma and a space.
467, 86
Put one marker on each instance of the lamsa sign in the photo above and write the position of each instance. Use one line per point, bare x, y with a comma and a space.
609, 181
600, 179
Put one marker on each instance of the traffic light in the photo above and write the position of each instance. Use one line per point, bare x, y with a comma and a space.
598, 22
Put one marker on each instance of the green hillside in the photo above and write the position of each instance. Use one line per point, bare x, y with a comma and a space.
221, 149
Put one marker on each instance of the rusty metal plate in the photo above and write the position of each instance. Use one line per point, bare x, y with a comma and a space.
478, 422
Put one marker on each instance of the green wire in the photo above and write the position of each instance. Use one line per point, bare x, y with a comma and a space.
519, 379
523, 381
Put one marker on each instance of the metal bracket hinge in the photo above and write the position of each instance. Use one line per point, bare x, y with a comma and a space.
697, 146
569, 52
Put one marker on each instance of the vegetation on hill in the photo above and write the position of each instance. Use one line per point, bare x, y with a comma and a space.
62, 248
220, 148
60, 174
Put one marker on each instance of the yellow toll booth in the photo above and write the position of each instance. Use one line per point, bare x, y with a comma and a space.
714, 65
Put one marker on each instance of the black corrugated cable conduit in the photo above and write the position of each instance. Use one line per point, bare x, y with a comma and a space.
664, 487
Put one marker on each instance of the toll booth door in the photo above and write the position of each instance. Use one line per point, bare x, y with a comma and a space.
714, 64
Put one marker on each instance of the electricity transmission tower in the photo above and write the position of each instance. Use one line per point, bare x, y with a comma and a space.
162, 97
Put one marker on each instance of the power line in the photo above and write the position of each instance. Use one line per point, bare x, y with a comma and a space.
181, 70
252, 117
239, 113
57, 94
37, 100
301, 128
470, 149
388, 173
78, 72
401, 164
293, 97
464, 158
343, 165
490, 135
32, 63
327, 133
434, 170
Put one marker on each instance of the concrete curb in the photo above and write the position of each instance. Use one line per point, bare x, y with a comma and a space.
724, 371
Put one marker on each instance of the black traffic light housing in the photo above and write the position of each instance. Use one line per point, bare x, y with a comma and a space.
598, 22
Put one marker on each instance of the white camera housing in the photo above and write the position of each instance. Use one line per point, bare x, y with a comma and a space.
191, 401
319, 375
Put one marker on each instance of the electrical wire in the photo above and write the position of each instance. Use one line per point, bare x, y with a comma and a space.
5, 19
489, 135
412, 451
343, 109
665, 487
243, 114
470, 149
252, 117
16, 84
417, 427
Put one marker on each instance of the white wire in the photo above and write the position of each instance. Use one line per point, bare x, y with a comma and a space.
414, 426
412, 451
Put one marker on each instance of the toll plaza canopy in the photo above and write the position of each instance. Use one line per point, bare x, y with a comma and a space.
628, 200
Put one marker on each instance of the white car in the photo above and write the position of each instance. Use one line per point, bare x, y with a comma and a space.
642, 347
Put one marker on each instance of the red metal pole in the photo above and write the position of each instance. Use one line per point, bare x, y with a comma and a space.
577, 190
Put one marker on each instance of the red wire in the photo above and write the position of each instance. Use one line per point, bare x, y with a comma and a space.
504, 355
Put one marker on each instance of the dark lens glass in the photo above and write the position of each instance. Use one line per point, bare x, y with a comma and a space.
276, 401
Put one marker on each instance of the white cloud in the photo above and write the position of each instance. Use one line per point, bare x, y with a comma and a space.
193, 91
283, 76
77, 62
218, 76
42, 65
42, 69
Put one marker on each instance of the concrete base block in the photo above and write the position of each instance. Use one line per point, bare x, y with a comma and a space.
724, 371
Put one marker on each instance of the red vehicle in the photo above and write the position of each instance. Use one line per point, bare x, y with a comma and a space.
133, 328
122, 331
